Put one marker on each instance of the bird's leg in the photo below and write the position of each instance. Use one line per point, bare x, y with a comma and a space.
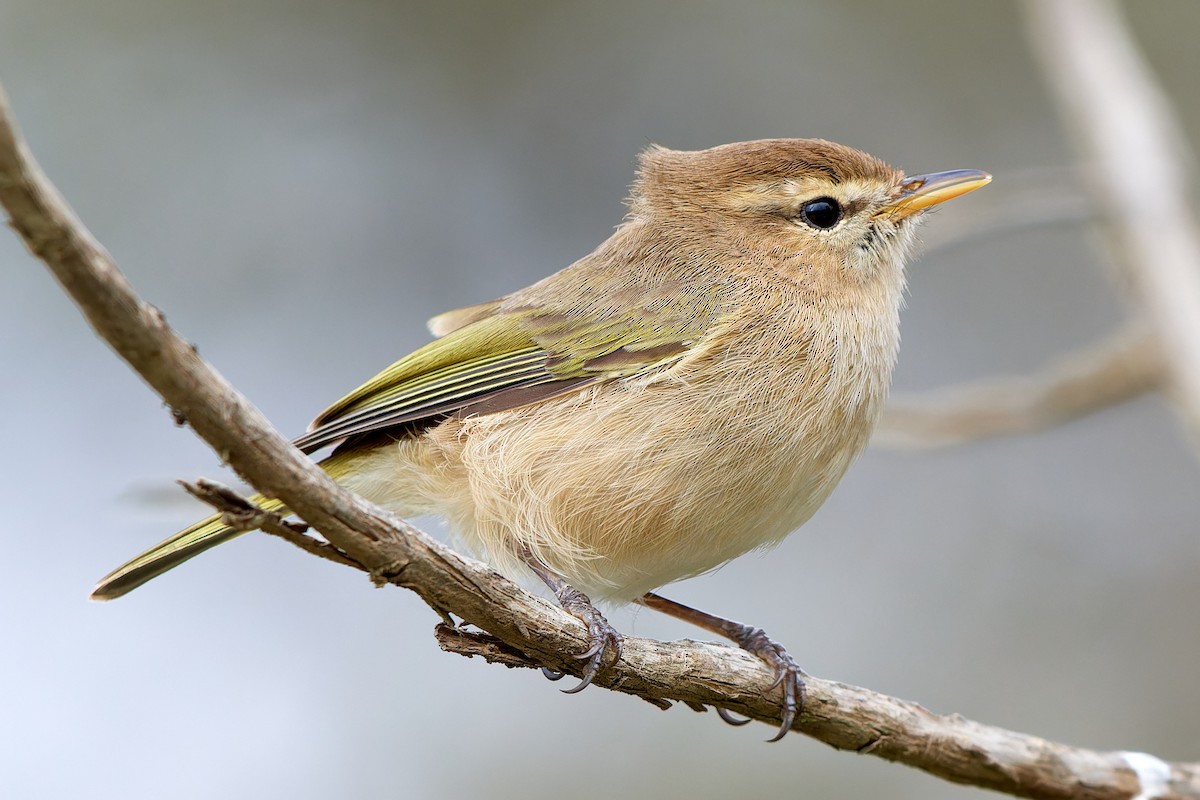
601, 633
753, 640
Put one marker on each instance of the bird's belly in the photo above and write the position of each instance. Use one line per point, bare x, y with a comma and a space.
639, 496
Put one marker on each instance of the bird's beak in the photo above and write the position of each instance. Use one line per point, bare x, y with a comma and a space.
922, 191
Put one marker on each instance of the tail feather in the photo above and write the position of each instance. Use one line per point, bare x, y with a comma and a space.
205, 534
172, 552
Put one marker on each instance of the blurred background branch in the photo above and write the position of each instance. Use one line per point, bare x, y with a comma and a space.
1113, 371
1138, 170
1026, 200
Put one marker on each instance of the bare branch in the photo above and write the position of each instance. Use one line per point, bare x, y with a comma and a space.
1123, 367
1126, 130
697, 674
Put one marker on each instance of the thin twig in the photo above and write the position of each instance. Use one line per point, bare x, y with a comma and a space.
694, 673
239, 513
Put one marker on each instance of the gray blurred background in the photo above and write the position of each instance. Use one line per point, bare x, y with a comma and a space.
300, 185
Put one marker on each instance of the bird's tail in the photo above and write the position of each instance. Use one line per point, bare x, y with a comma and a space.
189, 542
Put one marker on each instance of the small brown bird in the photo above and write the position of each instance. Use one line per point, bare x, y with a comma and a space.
691, 390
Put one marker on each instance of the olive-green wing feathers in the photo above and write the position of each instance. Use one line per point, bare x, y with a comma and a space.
475, 362
492, 359
512, 352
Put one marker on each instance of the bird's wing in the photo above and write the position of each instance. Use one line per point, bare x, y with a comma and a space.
515, 357
450, 321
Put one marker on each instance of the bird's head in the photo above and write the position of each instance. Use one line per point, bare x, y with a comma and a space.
812, 207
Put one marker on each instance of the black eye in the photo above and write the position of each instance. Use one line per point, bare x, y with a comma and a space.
822, 213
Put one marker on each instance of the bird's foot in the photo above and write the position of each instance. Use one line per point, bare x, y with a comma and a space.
603, 636
788, 675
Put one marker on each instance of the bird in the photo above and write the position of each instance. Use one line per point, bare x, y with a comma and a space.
691, 390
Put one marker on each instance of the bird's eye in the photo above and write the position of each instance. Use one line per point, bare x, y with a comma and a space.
822, 213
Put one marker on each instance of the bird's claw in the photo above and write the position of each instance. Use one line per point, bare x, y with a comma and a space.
729, 719
788, 675
603, 636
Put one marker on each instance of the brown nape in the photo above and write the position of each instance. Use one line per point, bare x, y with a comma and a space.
719, 168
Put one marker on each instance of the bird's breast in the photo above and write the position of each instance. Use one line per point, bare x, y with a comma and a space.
635, 483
